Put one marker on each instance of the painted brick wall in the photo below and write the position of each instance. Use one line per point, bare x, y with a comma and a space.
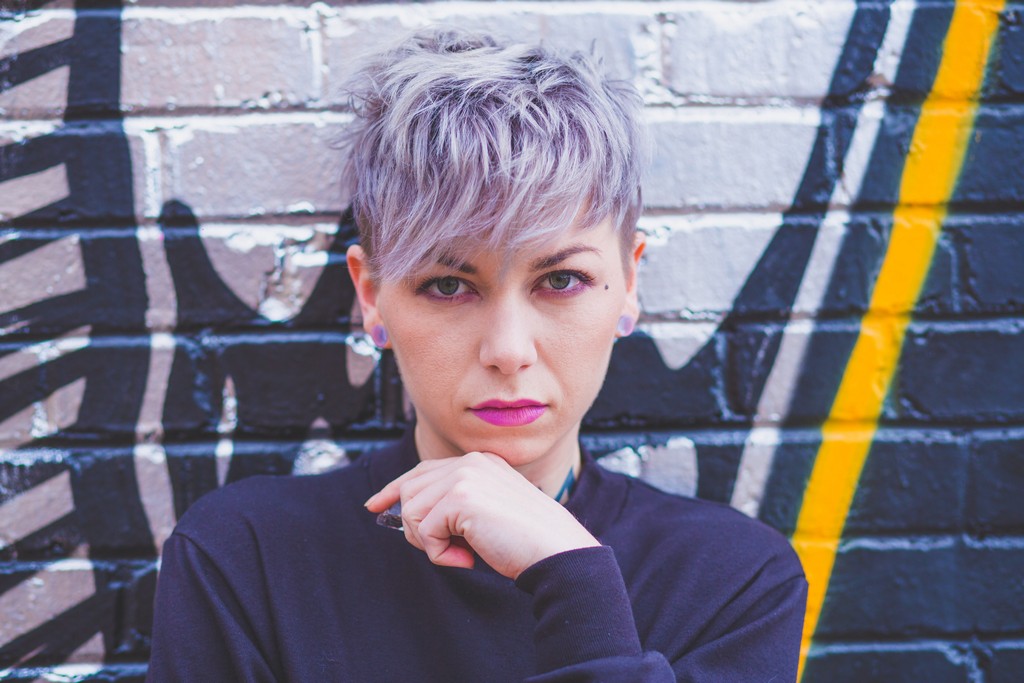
833, 298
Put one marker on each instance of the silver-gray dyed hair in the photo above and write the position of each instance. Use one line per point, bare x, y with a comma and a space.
463, 144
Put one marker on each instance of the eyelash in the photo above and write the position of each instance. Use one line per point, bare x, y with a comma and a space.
584, 281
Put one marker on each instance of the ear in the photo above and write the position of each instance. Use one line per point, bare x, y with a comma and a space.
632, 304
366, 288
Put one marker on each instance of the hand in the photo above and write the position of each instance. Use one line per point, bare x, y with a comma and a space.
454, 507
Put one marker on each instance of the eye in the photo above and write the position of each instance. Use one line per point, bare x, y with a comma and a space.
560, 280
565, 282
447, 286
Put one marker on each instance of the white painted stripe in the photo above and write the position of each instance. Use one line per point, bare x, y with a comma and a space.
154, 481
161, 357
27, 193
44, 596
39, 506
228, 422
780, 386
52, 270
162, 309
155, 491
35, 355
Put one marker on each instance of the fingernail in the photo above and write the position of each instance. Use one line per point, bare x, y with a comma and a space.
369, 500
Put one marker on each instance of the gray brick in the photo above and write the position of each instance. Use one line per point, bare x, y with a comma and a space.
729, 159
256, 166
760, 50
44, 96
230, 60
623, 39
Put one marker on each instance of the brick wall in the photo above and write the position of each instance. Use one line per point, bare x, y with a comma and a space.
175, 313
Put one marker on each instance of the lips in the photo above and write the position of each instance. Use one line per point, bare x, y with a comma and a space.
509, 413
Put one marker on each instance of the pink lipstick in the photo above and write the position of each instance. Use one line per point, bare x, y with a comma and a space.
509, 413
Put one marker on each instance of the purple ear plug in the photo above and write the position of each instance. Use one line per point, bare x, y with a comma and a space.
379, 336
625, 326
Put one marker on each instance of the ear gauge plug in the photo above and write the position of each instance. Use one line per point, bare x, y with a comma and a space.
625, 326
379, 336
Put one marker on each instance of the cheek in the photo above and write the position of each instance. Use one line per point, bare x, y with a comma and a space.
581, 342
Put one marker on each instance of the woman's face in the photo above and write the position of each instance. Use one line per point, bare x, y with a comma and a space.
506, 363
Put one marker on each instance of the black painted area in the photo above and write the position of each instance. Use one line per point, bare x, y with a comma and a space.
282, 383
889, 663
100, 190
1006, 664
1005, 78
113, 387
854, 66
940, 587
772, 285
990, 262
881, 185
52, 642
111, 301
912, 482
784, 490
922, 52
964, 373
640, 391
994, 505
204, 301
993, 170
717, 463
821, 372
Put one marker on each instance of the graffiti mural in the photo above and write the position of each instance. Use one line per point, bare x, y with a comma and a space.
832, 300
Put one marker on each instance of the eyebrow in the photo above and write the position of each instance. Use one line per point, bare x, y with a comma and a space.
559, 256
539, 264
460, 266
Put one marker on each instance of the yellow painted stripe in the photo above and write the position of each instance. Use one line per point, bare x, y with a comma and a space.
929, 177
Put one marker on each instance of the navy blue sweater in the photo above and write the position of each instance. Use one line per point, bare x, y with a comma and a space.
291, 579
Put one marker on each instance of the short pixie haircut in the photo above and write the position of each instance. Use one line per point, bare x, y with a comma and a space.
463, 144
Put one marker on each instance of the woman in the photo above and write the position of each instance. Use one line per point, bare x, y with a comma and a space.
496, 189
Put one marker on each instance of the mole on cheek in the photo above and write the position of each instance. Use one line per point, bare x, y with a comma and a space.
606, 287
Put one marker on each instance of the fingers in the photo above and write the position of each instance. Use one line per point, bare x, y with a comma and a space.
392, 492
436, 536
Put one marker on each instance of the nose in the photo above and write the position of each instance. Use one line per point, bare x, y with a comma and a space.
509, 341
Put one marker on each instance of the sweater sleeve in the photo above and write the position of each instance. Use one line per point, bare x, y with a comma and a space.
585, 629
200, 631
584, 622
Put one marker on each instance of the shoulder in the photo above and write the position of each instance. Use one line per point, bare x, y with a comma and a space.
263, 506
710, 538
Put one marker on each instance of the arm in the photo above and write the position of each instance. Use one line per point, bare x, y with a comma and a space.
200, 630
585, 629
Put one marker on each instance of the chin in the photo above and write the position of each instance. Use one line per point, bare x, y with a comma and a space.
517, 446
